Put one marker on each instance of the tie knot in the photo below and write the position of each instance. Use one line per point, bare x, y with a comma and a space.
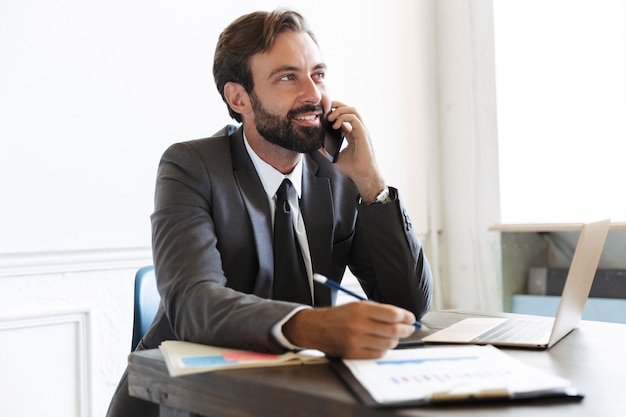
283, 191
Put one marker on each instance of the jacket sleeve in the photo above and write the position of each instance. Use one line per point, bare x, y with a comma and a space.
200, 303
388, 258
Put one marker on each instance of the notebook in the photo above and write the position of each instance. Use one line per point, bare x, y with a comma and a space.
533, 331
185, 358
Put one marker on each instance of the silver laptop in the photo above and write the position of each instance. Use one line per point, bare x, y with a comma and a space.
534, 331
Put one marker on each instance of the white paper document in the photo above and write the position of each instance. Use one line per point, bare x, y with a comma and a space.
425, 375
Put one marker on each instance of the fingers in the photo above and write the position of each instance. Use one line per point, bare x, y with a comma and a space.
388, 321
357, 160
345, 117
341, 109
355, 330
382, 313
375, 328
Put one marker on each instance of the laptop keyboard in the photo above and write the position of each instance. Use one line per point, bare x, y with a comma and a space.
516, 330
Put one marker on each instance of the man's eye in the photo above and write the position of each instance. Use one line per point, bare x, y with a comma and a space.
319, 75
288, 77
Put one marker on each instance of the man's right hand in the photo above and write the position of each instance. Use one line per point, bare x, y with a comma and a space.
359, 330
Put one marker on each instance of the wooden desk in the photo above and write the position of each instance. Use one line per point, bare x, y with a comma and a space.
592, 357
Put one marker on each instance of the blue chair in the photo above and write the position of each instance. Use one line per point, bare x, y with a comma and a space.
146, 302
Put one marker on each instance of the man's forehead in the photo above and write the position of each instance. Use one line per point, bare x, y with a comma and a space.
291, 51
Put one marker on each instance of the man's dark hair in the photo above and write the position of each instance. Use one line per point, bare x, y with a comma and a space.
248, 35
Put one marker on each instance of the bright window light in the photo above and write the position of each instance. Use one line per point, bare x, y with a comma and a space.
561, 97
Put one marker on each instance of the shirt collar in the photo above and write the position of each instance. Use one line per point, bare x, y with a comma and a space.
272, 178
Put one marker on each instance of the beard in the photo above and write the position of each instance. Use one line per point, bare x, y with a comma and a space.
284, 132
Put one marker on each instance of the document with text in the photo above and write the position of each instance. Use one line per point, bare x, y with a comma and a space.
447, 374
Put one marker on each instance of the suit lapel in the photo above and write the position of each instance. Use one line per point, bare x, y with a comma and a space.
317, 212
256, 203
316, 208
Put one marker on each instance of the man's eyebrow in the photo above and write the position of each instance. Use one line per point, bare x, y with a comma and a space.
290, 68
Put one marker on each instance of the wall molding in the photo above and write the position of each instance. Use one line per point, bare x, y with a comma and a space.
80, 319
44, 263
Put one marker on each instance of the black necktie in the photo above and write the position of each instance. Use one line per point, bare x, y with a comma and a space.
290, 279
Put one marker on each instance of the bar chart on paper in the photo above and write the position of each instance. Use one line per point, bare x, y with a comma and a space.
420, 376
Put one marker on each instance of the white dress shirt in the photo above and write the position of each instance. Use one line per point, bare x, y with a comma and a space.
271, 180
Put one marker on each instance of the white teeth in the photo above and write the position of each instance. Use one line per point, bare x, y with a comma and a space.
306, 117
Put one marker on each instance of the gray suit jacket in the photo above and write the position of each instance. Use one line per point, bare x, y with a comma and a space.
212, 245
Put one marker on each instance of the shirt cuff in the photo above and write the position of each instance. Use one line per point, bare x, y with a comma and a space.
277, 330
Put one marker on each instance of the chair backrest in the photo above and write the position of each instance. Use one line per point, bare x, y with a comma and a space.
146, 302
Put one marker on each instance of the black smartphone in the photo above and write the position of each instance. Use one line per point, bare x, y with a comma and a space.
333, 141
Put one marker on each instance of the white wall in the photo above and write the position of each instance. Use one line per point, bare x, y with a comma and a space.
64, 339
91, 93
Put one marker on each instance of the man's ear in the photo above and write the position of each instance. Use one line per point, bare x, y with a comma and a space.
237, 97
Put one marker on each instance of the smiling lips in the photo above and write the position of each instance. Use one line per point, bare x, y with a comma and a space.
312, 119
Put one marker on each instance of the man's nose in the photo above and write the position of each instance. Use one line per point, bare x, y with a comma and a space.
311, 92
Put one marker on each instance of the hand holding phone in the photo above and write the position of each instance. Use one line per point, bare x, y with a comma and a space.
333, 141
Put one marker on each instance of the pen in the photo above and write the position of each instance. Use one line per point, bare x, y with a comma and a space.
330, 283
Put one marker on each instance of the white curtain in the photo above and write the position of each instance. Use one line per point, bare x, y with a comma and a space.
463, 176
